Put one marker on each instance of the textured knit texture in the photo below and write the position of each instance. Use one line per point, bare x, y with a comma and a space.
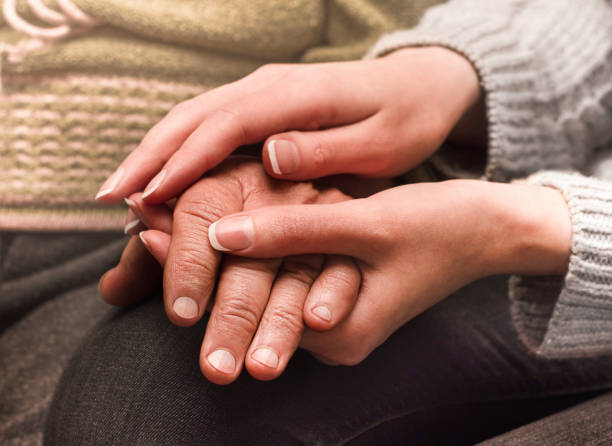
546, 69
572, 317
72, 108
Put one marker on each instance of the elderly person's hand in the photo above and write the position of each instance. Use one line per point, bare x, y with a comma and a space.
414, 245
376, 118
258, 302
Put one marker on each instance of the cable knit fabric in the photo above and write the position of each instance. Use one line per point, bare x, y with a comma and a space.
81, 82
572, 316
546, 69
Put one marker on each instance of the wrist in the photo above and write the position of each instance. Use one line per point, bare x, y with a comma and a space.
451, 77
530, 231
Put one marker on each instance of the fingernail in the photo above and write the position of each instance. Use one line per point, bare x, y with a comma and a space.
231, 234
131, 203
144, 241
222, 360
129, 226
185, 307
266, 356
284, 156
322, 312
111, 183
155, 183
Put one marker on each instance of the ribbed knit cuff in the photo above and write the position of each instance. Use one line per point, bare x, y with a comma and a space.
544, 66
571, 316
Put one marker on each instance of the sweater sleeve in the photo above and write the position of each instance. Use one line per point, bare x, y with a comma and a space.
571, 316
545, 68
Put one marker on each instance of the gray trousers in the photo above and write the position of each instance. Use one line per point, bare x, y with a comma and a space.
455, 375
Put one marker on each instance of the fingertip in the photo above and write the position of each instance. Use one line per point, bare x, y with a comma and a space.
143, 238
281, 156
257, 367
101, 287
272, 158
319, 318
152, 193
133, 227
108, 191
157, 243
110, 289
219, 366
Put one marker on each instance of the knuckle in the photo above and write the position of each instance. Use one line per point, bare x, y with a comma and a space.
190, 264
199, 210
341, 279
237, 314
198, 217
250, 270
321, 153
302, 269
285, 319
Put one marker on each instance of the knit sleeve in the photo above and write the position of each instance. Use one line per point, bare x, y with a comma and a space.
545, 67
571, 316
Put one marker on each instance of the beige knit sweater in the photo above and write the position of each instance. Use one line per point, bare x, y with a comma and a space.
546, 69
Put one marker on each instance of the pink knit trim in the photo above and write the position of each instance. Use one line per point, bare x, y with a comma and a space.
56, 220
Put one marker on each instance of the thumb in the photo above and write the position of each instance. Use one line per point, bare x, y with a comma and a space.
355, 148
278, 231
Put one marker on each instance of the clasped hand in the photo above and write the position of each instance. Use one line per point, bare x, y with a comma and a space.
312, 265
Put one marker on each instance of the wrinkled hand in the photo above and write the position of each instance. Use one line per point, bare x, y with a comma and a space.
414, 245
377, 118
258, 302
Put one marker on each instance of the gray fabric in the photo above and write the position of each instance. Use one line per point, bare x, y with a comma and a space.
587, 424
456, 374
48, 289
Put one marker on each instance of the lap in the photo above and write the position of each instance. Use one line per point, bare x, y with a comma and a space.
136, 381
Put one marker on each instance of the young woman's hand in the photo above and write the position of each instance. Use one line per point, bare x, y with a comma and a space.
377, 118
270, 299
414, 245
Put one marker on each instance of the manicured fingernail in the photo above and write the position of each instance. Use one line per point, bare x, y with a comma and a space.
129, 227
111, 183
185, 307
284, 156
223, 361
266, 356
131, 203
142, 236
231, 234
154, 184
322, 312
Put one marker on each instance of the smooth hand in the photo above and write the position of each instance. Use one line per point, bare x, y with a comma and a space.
414, 245
377, 118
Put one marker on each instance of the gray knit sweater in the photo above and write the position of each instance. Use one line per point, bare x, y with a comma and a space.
546, 69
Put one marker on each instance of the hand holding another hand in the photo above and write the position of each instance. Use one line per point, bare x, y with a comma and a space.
377, 118
414, 246
257, 301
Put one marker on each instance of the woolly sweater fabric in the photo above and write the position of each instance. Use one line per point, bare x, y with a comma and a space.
546, 69
78, 99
